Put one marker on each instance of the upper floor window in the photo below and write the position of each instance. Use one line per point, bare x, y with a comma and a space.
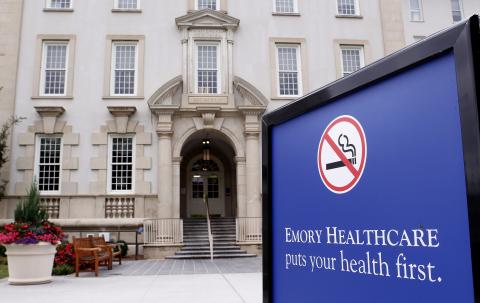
352, 58
288, 69
127, 4
60, 4
121, 163
285, 6
416, 13
347, 7
48, 168
210, 4
124, 68
207, 67
54, 68
456, 10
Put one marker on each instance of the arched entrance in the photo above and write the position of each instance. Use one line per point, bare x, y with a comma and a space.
207, 170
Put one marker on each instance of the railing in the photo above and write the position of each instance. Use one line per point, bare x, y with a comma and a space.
210, 236
249, 230
119, 207
163, 231
51, 206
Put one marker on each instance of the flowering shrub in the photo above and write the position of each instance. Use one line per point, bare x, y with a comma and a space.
65, 254
23, 233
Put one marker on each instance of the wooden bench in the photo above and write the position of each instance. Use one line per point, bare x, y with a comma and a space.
109, 248
88, 257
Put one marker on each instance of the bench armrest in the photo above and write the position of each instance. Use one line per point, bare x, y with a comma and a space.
89, 249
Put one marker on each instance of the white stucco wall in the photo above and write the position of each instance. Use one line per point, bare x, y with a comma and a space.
92, 20
437, 15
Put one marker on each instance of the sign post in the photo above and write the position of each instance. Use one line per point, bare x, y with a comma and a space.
371, 185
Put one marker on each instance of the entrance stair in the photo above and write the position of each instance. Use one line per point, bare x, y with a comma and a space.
196, 245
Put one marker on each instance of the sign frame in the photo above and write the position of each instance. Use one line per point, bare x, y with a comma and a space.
464, 40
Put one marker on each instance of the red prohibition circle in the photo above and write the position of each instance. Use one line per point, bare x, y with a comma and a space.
351, 184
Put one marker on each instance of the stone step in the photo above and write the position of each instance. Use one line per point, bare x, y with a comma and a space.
207, 251
207, 247
215, 256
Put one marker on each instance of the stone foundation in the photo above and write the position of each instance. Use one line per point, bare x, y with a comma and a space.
252, 248
159, 252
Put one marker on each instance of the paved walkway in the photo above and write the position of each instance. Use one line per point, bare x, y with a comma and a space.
170, 281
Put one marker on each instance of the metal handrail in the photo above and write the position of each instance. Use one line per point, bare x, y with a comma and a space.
210, 237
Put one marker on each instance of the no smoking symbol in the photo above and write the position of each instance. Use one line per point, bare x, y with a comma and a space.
342, 153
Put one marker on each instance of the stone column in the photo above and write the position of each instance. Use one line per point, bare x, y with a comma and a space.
241, 188
253, 174
176, 187
165, 175
165, 161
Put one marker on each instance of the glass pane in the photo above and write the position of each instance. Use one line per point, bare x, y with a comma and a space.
346, 7
60, 4
122, 163
127, 4
211, 4
213, 187
207, 73
285, 6
49, 164
197, 187
351, 60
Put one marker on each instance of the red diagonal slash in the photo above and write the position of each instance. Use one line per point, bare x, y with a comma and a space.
341, 155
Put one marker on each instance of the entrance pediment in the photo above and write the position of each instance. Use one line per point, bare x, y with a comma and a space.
207, 18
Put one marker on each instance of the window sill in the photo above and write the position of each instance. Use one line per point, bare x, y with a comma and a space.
286, 14
417, 21
58, 10
123, 97
119, 10
52, 97
284, 98
349, 16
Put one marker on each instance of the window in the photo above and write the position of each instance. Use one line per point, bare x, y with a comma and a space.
288, 68
124, 68
54, 68
48, 163
197, 187
347, 7
352, 58
127, 4
416, 13
286, 6
207, 68
210, 4
456, 10
59, 4
121, 165
212, 187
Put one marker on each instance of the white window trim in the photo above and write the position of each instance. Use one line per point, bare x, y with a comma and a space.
357, 9
36, 168
115, 6
48, 5
352, 47
420, 6
460, 4
295, 8
43, 63
109, 168
217, 5
219, 65
112, 67
299, 68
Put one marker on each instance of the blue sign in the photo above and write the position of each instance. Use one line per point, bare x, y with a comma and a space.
369, 193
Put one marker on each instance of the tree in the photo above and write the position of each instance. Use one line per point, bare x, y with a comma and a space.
4, 135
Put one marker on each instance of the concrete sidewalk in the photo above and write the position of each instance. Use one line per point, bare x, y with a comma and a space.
149, 281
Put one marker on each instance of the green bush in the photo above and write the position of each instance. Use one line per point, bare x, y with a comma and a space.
29, 210
63, 270
2, 251
123, 247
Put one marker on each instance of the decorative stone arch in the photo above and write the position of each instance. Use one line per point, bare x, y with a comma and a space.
234, 141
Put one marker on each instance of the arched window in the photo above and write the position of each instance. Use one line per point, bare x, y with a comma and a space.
205, 165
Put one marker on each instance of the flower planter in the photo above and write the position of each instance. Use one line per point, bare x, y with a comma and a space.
30, 263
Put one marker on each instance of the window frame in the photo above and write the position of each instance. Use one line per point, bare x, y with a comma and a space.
359, 47
36, 168
43, 69
460, 6
217, 5
112, 67
217, 44
420, 10
357, 10
116, 6
297, 46
295, 8
111, 136
48, 6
